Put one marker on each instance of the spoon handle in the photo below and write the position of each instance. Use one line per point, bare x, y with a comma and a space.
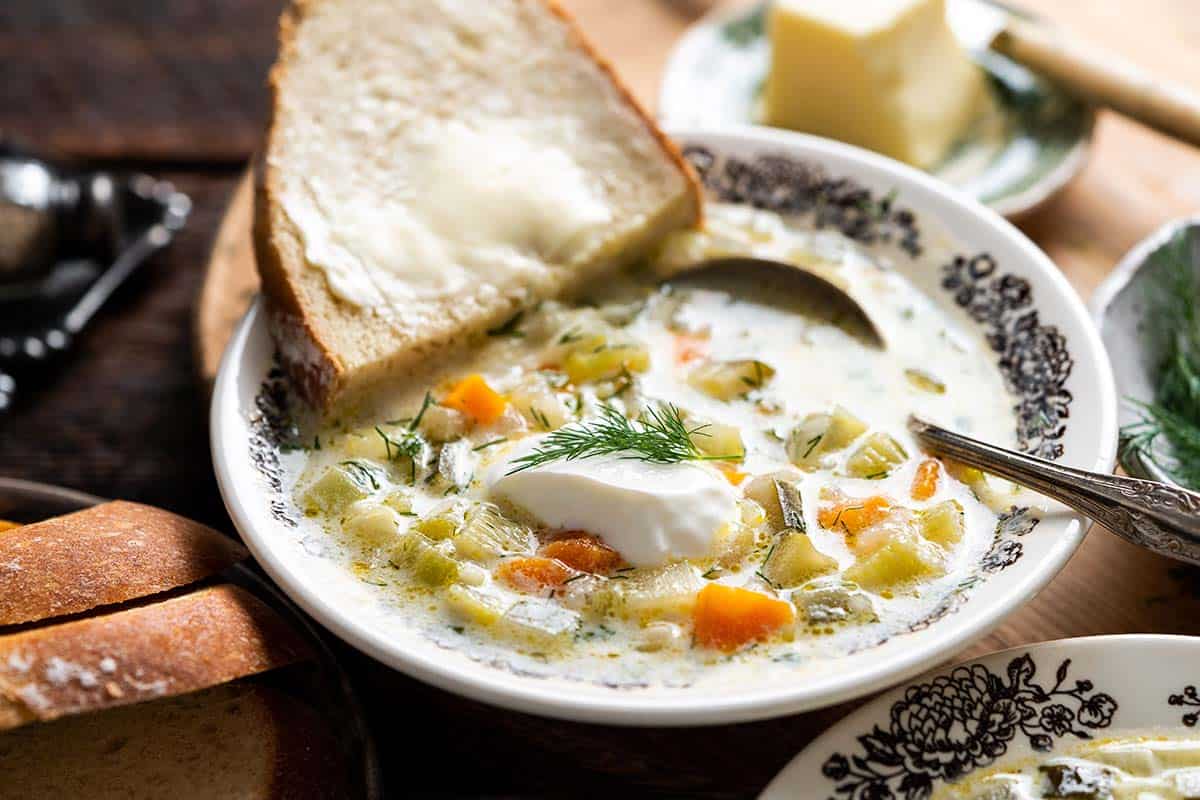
1157, 516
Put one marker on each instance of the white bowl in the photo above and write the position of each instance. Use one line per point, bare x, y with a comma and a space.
1001, 283
993, 709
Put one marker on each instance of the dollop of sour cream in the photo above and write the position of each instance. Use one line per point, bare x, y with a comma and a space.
649, 513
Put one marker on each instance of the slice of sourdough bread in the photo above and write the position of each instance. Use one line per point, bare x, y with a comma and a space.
434, 166
236, 742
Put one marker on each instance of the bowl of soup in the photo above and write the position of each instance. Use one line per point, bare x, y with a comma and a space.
694, 500
1093, 718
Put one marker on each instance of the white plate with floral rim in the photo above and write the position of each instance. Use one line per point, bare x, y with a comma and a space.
1013, 162
1005, 708
976, 266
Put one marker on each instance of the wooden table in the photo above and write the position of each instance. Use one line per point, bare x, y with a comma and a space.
176, 88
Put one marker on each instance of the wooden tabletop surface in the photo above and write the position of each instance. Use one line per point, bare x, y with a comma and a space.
176, 88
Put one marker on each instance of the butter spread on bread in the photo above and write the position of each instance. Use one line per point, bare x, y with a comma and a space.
434, 166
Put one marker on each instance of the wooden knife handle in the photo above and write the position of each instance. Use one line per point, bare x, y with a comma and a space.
1103, 79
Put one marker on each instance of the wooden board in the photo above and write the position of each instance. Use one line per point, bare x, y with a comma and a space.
1134, 182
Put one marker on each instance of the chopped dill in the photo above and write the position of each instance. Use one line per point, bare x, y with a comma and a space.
363, 474
812, 444
570, 335
711, 573
876, 475
540, 416
658, 436
486, 445
425, 404
509, 327
574, 578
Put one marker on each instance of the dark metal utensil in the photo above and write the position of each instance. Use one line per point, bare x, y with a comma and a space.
46, 217
1158, 516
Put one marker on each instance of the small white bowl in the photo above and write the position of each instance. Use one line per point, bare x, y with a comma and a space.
988, 276
1007, 705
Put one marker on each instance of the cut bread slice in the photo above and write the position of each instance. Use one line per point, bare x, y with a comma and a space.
107, 554
166, 648
237, 742
434, 166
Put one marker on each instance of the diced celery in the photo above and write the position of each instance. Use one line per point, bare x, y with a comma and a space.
817, 435
541, 623
374, 526
725, 380
822, 603
443, 520
341, 485
428, 563
877, 456
606, 361
661, 593
715, 439
794, 560
943, 524
906, 557
474, 605
486, 535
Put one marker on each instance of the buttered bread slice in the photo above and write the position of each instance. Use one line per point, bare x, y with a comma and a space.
435, 166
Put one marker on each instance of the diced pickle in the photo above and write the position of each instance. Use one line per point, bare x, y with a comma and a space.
794, 560
429, 563
877, 456
943, 524
817, 435
486, 535
823, 603
341, 485
606, 361
664, 593
725, 380
715, 439
905, 557
541, 623
374, 526
443, 520
474, 605
763, 490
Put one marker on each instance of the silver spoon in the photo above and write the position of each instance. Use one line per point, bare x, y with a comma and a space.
815, 288
1157, 516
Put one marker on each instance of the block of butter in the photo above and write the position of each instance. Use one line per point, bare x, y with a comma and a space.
887, 75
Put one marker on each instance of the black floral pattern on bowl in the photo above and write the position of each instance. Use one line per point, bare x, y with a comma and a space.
956, 723
1188, 698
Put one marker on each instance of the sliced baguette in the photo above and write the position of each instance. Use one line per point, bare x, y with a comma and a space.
106, 554
166, 648
238, 742
358, 84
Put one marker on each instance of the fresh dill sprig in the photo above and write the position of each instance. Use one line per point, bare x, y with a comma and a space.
658, 436
1173, 417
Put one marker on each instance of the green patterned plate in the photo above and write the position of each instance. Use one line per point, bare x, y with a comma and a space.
1013, 161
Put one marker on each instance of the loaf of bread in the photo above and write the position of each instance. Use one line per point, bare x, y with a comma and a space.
234, 742
106, 554
146, 652
431, 168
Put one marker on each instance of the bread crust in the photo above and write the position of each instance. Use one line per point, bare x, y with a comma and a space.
311, 361
111, 553
162, 649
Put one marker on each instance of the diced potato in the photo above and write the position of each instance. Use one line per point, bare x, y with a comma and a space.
660, 636
399, 501
374, 526
818, 435
486, 535
824, 603
605, 362
474, 605
725, 380
794, 560
365, 443
877, 456
443, 424
905, 558
663, 593
428, 562
762, 490
943, 524
541, 623
544, 408
715, 439
341, 485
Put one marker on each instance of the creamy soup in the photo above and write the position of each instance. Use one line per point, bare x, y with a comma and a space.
669, 477
1142, 768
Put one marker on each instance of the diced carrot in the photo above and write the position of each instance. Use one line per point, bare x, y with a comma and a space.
732, 473
925, 482
852, 516
582, 552
5, 525
533, 574
690, 347
728, 617
473, 397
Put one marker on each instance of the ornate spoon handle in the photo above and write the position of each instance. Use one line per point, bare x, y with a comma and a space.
1157, 516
